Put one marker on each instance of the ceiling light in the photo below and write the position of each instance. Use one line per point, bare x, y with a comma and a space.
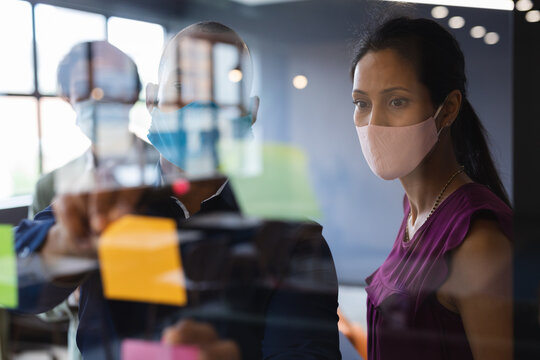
456, 22
235, 75
300, 82
439, 12
481, 4
533, 16
478, 32
491, 38
97, 94
524, 5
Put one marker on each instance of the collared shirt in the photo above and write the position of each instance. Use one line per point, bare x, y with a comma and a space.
222, 200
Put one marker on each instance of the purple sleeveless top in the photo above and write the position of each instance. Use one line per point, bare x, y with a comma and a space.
405, 320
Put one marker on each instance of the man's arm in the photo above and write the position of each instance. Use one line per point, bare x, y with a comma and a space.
301, 319
69, 228
36, 292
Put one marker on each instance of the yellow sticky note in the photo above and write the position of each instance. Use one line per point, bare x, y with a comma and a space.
140, 261
8, 268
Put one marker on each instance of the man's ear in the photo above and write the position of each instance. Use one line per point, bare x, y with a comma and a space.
254, 108
451, 108
151, 96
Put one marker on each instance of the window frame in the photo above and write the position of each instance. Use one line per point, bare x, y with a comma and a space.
36, 94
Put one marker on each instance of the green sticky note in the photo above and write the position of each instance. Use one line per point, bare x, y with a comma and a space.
8, 268
280, 189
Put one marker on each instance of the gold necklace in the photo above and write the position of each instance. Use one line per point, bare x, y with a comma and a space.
436, 204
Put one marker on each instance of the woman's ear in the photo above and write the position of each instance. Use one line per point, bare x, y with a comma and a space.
255, 101
451, 108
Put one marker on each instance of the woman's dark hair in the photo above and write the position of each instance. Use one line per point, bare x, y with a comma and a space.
440, 65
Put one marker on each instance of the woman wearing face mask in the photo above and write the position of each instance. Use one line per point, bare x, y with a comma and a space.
444, 291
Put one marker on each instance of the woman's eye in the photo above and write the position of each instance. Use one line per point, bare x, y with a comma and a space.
360, 104
398, 102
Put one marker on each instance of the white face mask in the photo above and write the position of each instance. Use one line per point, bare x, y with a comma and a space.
395, 151
106, 125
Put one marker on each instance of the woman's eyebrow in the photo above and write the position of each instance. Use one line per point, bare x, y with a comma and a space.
394, 88
359, 91
383, 91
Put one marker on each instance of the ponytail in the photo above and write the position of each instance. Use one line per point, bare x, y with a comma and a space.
472, 151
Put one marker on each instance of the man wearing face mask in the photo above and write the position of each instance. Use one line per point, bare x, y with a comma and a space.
194, 108
279, 304
101, 83
190, 120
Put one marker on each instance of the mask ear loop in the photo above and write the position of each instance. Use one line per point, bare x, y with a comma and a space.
435, 117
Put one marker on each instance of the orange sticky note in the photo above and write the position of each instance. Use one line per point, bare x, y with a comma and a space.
140, 260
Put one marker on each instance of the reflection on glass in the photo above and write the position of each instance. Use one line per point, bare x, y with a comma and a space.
16, 70
57, 30
201, 118
227, 76
142, 41
61, 139
191, 78
19, 145
140, 120
275, 280
101, 84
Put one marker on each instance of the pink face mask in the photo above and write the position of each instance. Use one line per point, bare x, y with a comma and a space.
395, 151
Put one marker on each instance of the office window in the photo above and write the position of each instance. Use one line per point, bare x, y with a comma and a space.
143, 42
61, 139
16, 66
57, 30
39, 130
19, 145
140, 120
226, 59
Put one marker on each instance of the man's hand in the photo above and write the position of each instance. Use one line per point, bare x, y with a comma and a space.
71, 235
81, 218
189, 332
